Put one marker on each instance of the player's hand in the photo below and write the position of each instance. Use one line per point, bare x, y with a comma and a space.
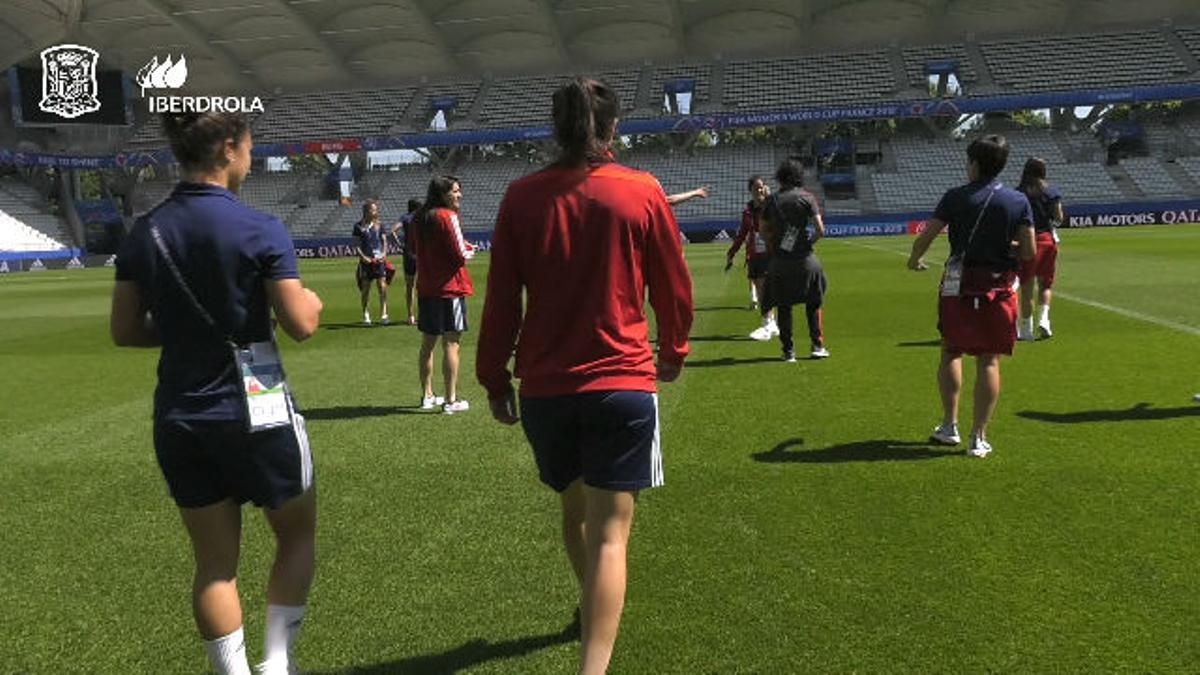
504, 409
917, 265
314, 299
667, 371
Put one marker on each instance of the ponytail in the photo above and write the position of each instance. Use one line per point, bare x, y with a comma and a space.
585, 114
1033, 176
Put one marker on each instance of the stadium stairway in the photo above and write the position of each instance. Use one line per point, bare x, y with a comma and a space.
716, 82
866, 188
983, 74
1181, 49
1182, 177
1124, 182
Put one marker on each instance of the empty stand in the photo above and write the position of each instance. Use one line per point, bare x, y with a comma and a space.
23, 204
817, 80
1151, 177
525, 101
1094, 61
333, 115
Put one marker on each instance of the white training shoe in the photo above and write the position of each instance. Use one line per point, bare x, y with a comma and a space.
1196, 398
384, 320
1044, 327
431, 402
762, 334
276, 668
946, 434
789, 357
773, 329
366, 318
458, 406
819, 352
979, 448
1025, 336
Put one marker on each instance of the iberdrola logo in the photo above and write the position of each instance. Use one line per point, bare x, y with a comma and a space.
173, 74
165, 75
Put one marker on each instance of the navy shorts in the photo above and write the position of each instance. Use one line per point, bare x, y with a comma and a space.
608, 438
436, 316
410, 265
756, 268
205, 462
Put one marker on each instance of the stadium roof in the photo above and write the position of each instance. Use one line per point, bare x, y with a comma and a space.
267, 46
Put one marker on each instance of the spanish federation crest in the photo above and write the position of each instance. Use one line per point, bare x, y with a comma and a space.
69, 86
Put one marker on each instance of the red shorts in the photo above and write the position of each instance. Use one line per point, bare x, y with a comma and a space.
975, 326
1043, 264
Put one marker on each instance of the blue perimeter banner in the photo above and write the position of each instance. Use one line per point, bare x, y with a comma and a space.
690, 123
1090, 215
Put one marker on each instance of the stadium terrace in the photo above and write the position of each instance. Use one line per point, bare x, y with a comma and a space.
201, 104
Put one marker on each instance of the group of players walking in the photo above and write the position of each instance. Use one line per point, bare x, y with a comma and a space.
576, 249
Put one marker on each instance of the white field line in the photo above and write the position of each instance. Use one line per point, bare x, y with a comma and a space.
1128, 313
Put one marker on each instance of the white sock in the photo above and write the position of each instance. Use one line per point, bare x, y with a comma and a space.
753, 294
283, 625
1044, 316
228, 654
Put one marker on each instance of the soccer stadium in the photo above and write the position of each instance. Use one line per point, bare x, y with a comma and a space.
807, 521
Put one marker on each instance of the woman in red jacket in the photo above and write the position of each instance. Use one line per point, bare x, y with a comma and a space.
443, 286
583, 240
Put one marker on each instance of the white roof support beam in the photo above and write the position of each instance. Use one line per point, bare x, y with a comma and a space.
336, 58
193, 33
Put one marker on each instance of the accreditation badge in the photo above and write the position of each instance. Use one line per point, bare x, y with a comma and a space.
265, 390
952, 277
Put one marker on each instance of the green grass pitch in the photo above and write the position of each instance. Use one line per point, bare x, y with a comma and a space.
805, 525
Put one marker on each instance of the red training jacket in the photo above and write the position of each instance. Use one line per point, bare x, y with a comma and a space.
584, 245
442, 257
751, 233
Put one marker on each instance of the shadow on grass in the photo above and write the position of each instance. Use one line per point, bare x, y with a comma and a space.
352, 412
365, 326
723, 308
730, 361
920, 343
467, 655
1140, 412
858, 451
720, 338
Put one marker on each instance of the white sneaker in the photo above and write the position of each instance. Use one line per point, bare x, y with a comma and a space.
1025, 336
366, 318
946, 434
773, 329
431, 402
789, 357
1046, 332
762, 334
458, 406
979, 448
384, 320
819, 353
275, 668
1196, 398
